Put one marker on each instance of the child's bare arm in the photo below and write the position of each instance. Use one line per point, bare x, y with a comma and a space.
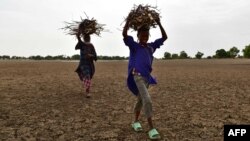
125, 30
80, 42
78, 37
163, 32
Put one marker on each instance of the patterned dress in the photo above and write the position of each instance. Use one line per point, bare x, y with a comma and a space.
86, 67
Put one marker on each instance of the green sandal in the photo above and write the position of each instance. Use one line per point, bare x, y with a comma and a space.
136, 126
153, 134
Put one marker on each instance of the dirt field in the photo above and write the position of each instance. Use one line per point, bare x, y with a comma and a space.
42, 100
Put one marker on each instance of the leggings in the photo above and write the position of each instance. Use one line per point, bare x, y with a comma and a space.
143, 99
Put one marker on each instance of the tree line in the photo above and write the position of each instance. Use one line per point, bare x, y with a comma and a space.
220, 53
59, 57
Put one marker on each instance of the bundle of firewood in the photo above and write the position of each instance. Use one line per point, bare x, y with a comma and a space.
83, 27
142, 16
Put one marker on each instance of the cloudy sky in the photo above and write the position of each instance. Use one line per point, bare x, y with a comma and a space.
32, 27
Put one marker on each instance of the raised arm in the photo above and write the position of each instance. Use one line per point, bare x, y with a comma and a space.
125, 30
78, 45
163, 32
78, 37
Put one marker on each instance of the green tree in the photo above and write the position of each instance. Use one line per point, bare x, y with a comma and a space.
183, 55
209, 57
246, 52
48, 57
60, 57
37, 57
167, 55
18, 57
233, 52
75, 57
15, 57
175, 56
199, 55
6, 57
221, 53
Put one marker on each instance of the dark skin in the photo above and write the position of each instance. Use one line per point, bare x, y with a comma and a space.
144, 35
143, 39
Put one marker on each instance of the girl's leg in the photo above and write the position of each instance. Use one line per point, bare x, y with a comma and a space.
137, 108
88, 93
87, 90
146, 99
150, 123
87, 84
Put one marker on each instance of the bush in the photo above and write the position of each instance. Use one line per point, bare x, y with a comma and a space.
167, 55
175, 56
199, 55
183, 55
246, 52
233, 52
221, 53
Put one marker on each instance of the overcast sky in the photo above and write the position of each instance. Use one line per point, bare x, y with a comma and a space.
32, 27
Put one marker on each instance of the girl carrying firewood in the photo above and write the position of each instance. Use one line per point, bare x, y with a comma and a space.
86, 67
140, 62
